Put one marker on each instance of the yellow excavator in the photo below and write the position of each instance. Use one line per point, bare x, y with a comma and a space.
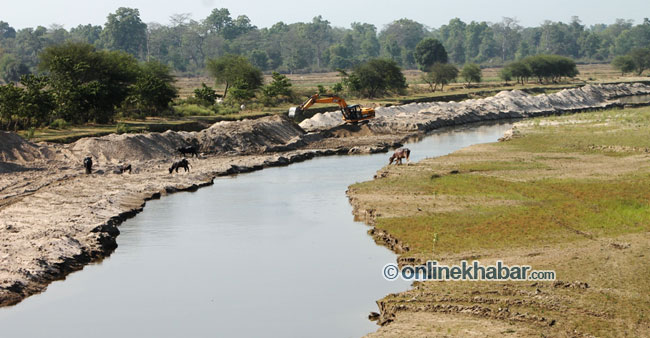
351, 114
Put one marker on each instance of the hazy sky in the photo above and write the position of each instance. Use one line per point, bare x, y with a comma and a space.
264, 13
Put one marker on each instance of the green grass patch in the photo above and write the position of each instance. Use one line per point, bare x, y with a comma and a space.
546, 211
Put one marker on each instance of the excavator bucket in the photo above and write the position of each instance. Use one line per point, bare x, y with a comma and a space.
294, 111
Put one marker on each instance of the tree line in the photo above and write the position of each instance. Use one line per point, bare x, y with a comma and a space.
79, 83
186, 45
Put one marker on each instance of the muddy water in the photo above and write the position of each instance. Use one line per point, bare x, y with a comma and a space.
273, 253
636, 99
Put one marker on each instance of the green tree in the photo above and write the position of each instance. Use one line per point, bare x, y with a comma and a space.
234, 69
376, 77
279, 88
518, 70
88, 84
260, 59
125, 31
471, 73
624, 63
505, 74
440, 74
12, 69
401, 36
428, 52
153, 90
10, 105
641, 59
206, 94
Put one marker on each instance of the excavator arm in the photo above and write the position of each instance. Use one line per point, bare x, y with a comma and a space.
351, 114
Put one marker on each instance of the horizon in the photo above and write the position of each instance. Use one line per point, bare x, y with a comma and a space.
50, 14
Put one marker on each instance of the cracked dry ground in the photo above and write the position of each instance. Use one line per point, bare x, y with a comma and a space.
566, 196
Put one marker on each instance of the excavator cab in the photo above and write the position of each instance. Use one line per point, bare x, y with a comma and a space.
355, 114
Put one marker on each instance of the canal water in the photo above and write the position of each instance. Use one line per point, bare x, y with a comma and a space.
273, 253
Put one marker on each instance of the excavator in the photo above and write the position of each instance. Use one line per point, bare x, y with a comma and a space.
351, 114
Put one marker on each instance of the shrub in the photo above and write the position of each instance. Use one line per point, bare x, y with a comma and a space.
59, 124
375, 78
122, 128
206, 95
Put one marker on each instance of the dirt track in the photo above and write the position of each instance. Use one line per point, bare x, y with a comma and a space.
54, 219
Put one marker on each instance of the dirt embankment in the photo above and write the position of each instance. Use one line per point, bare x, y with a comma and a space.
506, 104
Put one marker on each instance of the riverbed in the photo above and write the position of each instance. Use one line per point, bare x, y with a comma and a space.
270, 253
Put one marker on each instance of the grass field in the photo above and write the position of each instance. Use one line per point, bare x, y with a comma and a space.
568, 193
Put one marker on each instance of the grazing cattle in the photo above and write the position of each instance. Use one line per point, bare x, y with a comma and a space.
88, 164
188, 150
124, 168
180, 164
399, 154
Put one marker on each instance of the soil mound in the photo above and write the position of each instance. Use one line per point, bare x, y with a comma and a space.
129, 147
347, 130
236, 137
14, 148
249, 136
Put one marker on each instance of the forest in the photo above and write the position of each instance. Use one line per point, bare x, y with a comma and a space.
186, 44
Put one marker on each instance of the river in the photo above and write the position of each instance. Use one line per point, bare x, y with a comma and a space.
273, 253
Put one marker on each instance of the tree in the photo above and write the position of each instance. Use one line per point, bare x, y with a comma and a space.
505, 74
125, 31
440, 74
206, 95
10, 104
12, 69
518, 70
153, 89
26, 106
428, 52
550, 67
6, 31
376, 77
280, 86
260, 59
471, 73
641, 59
624, 63
88, 84
234, 69
401, 36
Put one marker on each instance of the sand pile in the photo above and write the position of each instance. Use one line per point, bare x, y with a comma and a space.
129, 147
506, 104
14, 148
236, 137
249, 136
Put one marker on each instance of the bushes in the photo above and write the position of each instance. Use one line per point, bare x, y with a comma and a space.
549, 68
440, 74
278, 90
26, 106
375, 78
471, 73
636, 61
206, 95
59, 124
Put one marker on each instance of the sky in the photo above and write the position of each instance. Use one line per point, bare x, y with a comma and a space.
341, 13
